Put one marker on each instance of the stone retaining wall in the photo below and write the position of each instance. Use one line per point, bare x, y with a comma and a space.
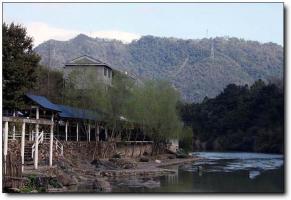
88, 150
93, 150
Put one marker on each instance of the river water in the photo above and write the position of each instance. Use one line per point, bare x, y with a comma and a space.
215, 172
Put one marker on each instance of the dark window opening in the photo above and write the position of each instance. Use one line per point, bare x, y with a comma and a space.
105, 71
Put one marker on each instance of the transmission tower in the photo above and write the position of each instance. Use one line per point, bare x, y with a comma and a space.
212, 50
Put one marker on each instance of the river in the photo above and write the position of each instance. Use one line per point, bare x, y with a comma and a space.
215, 172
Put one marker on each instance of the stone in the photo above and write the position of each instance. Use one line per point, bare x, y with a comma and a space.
116, 156
66, 179
144, 159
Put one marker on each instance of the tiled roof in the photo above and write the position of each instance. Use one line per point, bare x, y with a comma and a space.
86, 60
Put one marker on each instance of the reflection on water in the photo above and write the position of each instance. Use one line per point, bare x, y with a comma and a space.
216, 172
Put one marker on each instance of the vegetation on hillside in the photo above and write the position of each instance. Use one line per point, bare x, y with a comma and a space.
187, 64
241, 118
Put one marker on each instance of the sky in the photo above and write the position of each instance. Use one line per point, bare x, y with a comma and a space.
262, 22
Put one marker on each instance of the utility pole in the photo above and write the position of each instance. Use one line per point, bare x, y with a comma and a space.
48, 72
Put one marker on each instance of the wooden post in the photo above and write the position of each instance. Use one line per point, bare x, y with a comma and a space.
97, 132
36, 147
106, 134
51, 142
5, 145
89, 132
37, 113
36, 140
22, 145
13, 132
77, 132
13, 129
66, 130
30, 135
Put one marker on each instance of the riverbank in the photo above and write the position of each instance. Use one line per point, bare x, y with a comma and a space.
69, 176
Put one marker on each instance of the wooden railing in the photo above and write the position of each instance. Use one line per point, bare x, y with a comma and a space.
59, 146
40, 140
17, 135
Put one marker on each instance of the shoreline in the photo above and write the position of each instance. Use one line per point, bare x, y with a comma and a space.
148, 168
88, 177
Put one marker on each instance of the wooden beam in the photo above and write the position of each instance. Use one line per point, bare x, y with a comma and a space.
27, 121
136, 142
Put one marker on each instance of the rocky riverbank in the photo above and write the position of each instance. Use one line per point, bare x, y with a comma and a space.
86, 176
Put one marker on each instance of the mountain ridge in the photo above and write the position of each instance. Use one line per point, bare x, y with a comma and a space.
188, 64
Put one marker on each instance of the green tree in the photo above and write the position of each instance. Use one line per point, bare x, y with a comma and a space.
241, 118
19, 65
154, 105
50, 83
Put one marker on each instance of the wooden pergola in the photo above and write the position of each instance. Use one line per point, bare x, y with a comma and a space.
23, 121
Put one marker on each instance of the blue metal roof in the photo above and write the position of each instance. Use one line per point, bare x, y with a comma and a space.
66, 111
43, 102
76, 113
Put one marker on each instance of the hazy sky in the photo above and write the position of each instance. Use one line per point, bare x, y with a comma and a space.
127, 21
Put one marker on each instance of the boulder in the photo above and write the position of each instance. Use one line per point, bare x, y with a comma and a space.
66, 179
144, 159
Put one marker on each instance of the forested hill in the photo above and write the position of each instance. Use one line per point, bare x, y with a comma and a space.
241, 118
191, 65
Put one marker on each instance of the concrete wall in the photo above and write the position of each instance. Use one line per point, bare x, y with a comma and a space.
95, 73
174, 145
136, 150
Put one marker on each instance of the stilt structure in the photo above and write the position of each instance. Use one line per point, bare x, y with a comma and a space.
77, 131
5, 144
22, 145
89, 132
66, 130
36, 140
51, 142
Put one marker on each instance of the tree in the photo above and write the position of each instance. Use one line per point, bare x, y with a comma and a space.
50, 83
19, 65
241, 118
150, 107
154, 106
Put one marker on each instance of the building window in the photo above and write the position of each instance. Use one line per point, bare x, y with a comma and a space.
105, 71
